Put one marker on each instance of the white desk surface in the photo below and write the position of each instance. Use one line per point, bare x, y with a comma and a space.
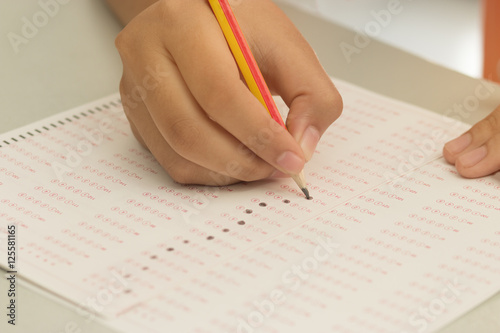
72, 60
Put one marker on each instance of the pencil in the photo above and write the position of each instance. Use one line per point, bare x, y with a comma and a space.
249, 68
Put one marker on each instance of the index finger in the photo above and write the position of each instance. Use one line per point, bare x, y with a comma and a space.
214, 80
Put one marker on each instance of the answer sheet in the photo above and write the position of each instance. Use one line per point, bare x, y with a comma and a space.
392, 241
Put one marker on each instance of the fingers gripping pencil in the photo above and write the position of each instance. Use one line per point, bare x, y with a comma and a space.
249, 68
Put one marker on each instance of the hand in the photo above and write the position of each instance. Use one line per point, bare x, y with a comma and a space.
186, 102
477, 152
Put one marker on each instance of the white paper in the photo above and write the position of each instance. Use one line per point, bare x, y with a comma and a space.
393, 241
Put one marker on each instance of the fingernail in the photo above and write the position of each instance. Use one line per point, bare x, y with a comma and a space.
309, 141
473, 157
290, 163
459, 144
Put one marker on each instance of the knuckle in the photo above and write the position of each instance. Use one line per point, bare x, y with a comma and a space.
333, 104
122, 88
184, 135
321, 108
338, 102
494, 144
123, 42
120, 40
127, 43
128, 103
493, 122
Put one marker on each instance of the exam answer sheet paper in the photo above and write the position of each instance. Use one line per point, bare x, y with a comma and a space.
393, 240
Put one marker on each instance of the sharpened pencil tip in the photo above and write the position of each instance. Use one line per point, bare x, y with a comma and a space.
301, 181
306, 192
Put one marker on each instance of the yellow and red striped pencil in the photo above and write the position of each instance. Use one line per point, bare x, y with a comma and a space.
249, 68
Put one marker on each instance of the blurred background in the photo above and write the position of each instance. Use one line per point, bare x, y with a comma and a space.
39, 76
447, 32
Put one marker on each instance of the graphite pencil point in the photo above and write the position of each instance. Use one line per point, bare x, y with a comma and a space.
306, 192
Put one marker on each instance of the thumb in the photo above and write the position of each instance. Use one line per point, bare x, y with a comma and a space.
310, 116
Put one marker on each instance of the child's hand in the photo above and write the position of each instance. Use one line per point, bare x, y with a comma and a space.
186, 102
477, 152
